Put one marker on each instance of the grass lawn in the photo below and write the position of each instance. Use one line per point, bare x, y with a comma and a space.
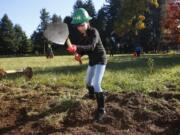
123, 73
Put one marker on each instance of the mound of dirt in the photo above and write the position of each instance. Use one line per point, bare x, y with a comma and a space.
132, 113
128, 114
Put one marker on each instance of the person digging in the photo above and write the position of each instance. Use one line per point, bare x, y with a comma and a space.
89, 43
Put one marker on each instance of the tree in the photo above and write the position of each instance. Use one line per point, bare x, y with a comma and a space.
7, 36
89, 6
171, 23
22, 42
128, 20
149, 38
78, 4
27, 46
113, 10
37, 41
124, 15
102, 20
131, 20
45, 19
37, 37
55, 18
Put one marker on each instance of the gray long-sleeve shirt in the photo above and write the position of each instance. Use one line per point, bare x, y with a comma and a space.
91, 45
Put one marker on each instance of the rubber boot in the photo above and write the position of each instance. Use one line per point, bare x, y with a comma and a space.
91, 94
100, 107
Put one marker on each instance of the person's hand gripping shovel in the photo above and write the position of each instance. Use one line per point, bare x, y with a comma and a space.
58, 33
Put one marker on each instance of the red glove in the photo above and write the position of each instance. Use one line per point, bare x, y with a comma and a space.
78, 57
72, 49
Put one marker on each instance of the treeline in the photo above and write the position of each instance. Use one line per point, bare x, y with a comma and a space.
123, 25
13, 39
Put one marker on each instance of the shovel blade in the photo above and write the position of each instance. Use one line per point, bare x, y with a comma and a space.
57, 33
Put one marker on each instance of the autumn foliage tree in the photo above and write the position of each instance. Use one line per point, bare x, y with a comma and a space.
130, 17
171, 23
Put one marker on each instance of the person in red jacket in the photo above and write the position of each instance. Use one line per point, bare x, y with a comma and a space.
89, 43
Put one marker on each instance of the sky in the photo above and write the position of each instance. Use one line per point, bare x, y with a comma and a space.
26, 12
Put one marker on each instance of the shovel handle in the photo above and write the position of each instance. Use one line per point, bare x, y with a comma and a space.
69, 42
69, 45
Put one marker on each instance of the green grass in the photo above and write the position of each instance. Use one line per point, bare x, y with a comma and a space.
123, 73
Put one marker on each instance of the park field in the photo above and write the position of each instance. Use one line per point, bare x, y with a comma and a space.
123, 73
143, 96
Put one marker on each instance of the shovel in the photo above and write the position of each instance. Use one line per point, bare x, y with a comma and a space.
58, 33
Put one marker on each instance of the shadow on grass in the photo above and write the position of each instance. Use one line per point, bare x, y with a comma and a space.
160, 62
118, 63
61, 70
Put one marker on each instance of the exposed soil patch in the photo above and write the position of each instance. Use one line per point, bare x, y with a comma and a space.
127, 113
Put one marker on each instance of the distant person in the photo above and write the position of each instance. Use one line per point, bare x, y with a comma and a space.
50, 53
119, 47
138, 51
107, 41
112, 45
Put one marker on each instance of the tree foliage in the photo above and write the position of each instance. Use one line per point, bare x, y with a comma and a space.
171, 23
